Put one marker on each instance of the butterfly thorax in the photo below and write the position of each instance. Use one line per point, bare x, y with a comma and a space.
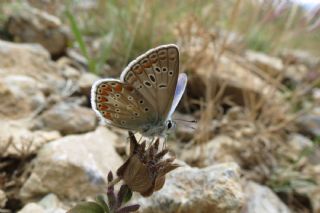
160, 129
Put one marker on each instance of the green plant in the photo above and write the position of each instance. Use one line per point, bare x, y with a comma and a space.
80, 40
111, 203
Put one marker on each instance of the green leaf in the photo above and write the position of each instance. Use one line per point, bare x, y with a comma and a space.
124, 194
87, 207
101, 200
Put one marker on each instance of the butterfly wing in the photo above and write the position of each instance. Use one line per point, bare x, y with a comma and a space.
154, 75
181, 86
119, 104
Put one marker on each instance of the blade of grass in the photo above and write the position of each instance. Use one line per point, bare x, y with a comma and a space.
79, 39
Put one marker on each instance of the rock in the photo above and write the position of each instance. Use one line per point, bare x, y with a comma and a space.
73, 167
310, 123
16, 140
217, 150
212, 189
262, 199
70, 69
68, 118
85, 83
21, 97
271, 65
30, 25
32, 208
32, 61
49, 203
3, 199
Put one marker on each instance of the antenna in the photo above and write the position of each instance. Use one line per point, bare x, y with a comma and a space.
183, 122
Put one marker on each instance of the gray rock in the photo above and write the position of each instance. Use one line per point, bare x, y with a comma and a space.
32, 61
17, 141
73, 167
51, 201
30, 25
212, 189
85, 83
32, 208
21, 96
48, 204
68, 118
218, 150
263, 200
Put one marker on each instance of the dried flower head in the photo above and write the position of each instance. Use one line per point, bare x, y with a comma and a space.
145, 169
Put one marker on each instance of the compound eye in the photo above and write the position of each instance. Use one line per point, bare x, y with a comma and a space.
169, 125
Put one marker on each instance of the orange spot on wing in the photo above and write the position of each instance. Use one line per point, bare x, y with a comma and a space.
118, 88
103, 99
104, 92
107, 115
146, 63
103, 107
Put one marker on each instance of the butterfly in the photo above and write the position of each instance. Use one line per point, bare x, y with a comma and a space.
146, 95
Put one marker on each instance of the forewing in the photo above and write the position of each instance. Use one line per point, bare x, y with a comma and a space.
121, 105
154, 75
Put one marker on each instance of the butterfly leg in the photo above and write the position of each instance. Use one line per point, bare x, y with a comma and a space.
152, 141
164, 143
140, 139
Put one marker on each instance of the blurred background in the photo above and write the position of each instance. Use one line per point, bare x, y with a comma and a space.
254, 88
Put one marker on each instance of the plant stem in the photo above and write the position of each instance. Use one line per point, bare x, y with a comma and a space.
114, 182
